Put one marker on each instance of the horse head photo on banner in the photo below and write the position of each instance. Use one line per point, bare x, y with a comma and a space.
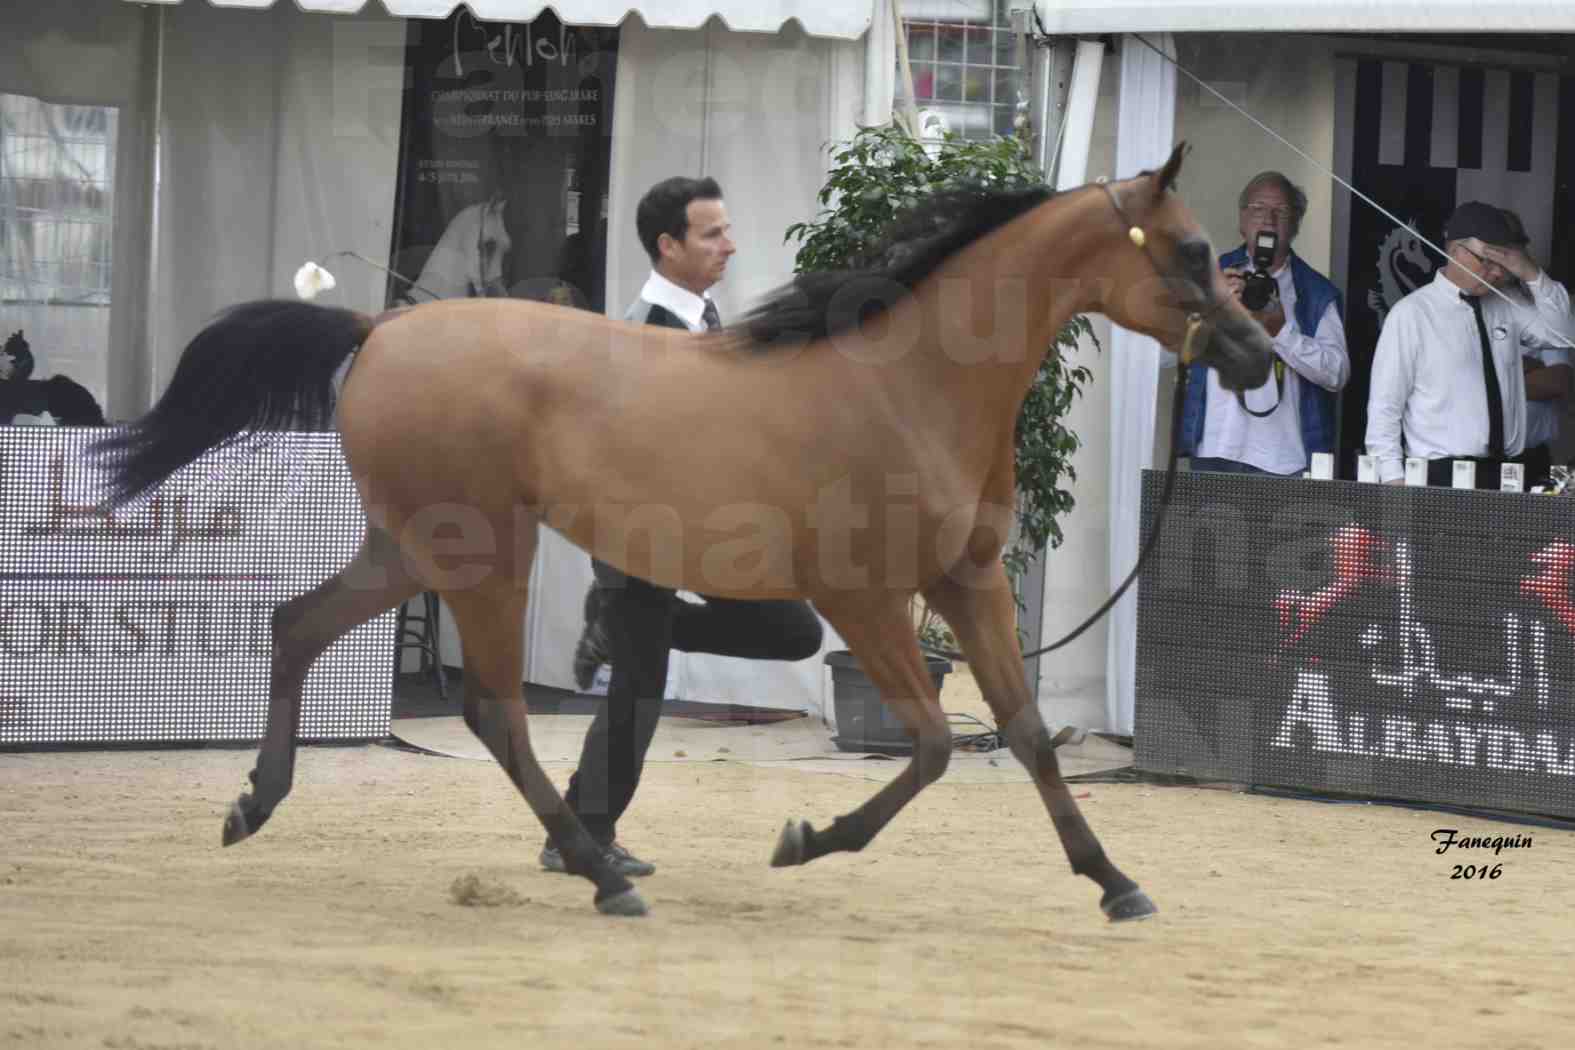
471, 258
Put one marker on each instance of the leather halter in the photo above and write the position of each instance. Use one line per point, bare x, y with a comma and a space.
1195, 320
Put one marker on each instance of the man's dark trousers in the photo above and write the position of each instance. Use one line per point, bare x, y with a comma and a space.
643, 622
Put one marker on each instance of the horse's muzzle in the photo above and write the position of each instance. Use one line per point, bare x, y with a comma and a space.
1240, 351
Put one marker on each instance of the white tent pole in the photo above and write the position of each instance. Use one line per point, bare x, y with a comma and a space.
880, 59
909, 109
1081, 101
149, 380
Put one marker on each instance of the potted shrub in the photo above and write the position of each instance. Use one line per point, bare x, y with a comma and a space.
874, 178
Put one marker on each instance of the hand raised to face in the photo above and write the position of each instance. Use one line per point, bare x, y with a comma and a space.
1513, 260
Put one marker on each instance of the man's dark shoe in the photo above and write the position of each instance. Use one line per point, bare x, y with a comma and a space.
623, 862
592, 650
627, 863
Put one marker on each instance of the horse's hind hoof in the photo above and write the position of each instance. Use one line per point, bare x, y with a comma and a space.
1133, 904
628, 902
242, 821
236, 827
790, 846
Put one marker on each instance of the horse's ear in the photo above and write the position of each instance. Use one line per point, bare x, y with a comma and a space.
1165, 178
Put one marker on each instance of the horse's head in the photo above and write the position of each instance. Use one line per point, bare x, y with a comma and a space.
1168, 284
492, 249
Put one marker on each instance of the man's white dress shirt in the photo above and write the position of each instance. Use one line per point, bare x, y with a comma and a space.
1427, 381
1274, 443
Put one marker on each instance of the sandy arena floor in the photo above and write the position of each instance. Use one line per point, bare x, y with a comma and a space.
125, 926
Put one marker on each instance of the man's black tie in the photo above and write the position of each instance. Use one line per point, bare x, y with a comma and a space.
1495, 398
709, 316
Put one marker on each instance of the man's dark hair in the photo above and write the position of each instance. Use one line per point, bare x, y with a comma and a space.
665, 209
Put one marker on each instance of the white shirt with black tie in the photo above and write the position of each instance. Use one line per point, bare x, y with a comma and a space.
1427, 381
676, 300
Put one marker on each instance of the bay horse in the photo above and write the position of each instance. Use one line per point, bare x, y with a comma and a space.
850, 442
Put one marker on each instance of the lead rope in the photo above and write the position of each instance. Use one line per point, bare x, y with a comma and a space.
1148, 545
1184, 357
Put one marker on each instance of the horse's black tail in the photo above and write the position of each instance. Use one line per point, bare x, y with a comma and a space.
265, 365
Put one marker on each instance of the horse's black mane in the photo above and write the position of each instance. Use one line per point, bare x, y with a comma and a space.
819, 305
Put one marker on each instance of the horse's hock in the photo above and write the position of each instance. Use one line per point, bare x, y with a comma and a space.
864, 722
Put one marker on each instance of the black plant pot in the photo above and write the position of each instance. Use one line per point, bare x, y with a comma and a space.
863, 722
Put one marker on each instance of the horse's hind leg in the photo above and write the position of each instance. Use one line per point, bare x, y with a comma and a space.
491, 622
882, 640
375, 581
982, 615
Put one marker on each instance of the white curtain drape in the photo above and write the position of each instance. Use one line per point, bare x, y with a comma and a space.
752, 111
880, 65
278, 143
1071, 681
1145, 130
1081, 105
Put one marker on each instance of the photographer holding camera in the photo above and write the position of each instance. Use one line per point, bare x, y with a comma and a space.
1276, 428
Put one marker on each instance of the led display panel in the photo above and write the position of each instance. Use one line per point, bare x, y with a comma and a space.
1408, 643
151, 624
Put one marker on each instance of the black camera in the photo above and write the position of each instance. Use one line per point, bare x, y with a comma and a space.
1261, 286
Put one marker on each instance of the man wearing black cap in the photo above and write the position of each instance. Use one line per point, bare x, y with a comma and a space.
1447, 373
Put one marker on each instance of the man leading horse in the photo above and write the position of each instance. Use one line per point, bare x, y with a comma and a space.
632, 624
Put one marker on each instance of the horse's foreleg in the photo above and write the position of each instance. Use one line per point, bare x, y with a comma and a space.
883, 642
375, 581
982, 615
491, 626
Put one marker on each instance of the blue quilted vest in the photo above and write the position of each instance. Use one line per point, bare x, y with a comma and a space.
1314, 293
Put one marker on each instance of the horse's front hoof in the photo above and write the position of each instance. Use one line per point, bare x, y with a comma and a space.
1133, 904
628, 902
242, 821
790, 846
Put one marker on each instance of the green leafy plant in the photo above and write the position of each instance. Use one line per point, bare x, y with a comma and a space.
875, 177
